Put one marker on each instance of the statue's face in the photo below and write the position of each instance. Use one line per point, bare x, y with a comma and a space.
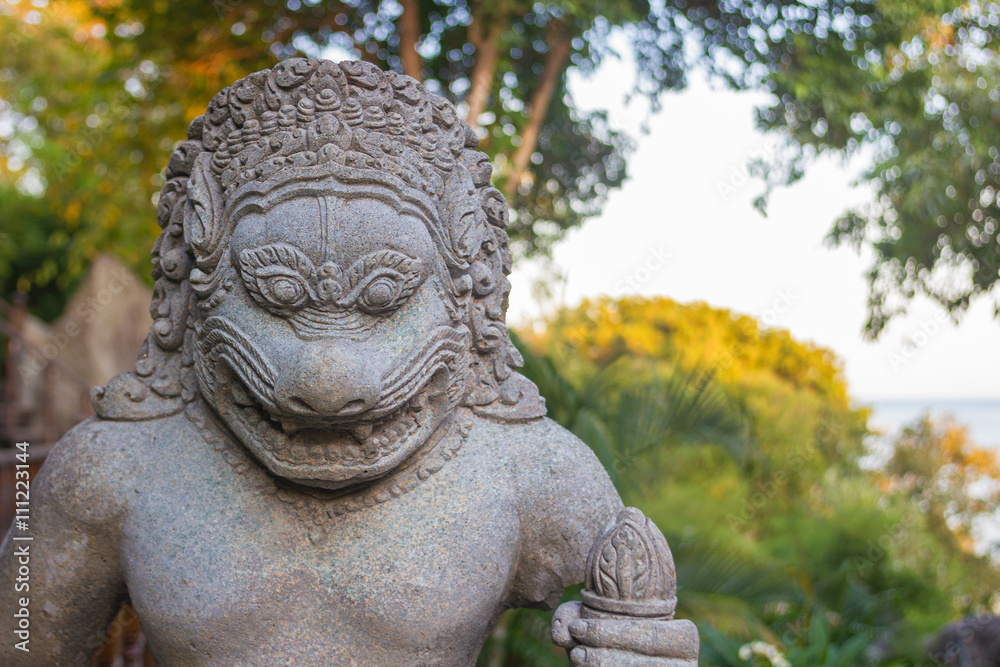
334, 356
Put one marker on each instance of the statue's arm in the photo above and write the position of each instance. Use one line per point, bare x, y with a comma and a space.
568, 503
67, 575
566, 499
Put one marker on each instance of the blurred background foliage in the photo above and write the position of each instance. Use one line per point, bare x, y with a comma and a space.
796, 538
797, 535
93, 95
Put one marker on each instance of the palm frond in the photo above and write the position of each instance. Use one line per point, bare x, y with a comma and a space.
722, 589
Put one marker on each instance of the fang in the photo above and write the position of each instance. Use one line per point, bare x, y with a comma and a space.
361, 432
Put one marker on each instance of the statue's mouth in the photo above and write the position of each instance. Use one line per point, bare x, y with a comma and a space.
310, 447
338, 449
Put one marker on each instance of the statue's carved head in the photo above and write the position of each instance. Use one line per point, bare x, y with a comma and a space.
331, 277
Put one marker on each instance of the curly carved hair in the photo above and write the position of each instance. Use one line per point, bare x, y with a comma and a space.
368, 129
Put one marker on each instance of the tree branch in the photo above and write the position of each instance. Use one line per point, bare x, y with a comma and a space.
560, 42
408, 27
484, 70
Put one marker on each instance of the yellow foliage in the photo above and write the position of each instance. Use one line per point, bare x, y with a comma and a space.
72, 213
723, 486
735, 347
956, 449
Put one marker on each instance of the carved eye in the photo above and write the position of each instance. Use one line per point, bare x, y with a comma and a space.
381, 282
285, 290
378, 293
278, 277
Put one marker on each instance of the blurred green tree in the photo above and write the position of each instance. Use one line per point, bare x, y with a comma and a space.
914, 86
875, 553
627, 416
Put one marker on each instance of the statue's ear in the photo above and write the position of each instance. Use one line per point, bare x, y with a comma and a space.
467, 227
203, 213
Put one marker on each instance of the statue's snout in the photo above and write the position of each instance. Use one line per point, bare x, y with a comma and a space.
324, 379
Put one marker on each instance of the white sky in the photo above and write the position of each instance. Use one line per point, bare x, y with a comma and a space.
725, 253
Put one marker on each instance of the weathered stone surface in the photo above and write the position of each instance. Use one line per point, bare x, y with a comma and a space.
325, 454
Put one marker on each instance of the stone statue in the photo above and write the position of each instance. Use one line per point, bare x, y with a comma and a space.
325, 454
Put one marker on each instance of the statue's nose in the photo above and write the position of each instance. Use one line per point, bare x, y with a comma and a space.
327, 380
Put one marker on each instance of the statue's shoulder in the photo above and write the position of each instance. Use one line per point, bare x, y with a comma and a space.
546, 457
91, 471
565, 499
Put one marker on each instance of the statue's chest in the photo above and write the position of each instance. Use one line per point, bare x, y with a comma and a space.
219, 574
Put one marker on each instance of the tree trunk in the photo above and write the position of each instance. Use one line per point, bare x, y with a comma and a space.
408, 26
485, 67
555, 62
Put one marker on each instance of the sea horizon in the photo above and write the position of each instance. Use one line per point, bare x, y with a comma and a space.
980, 415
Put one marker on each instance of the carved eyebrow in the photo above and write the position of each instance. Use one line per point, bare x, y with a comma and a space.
409, 269
261, 265
271, 254
399, 273
387, 258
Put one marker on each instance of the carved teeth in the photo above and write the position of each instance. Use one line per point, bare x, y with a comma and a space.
290, 429
368, 442
240, 394
361, 433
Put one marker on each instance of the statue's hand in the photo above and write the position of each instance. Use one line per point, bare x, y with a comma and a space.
632, 642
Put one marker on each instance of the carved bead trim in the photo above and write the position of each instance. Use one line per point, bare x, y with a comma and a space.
315, 508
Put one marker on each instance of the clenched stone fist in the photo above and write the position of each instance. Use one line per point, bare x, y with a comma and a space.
624, 642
